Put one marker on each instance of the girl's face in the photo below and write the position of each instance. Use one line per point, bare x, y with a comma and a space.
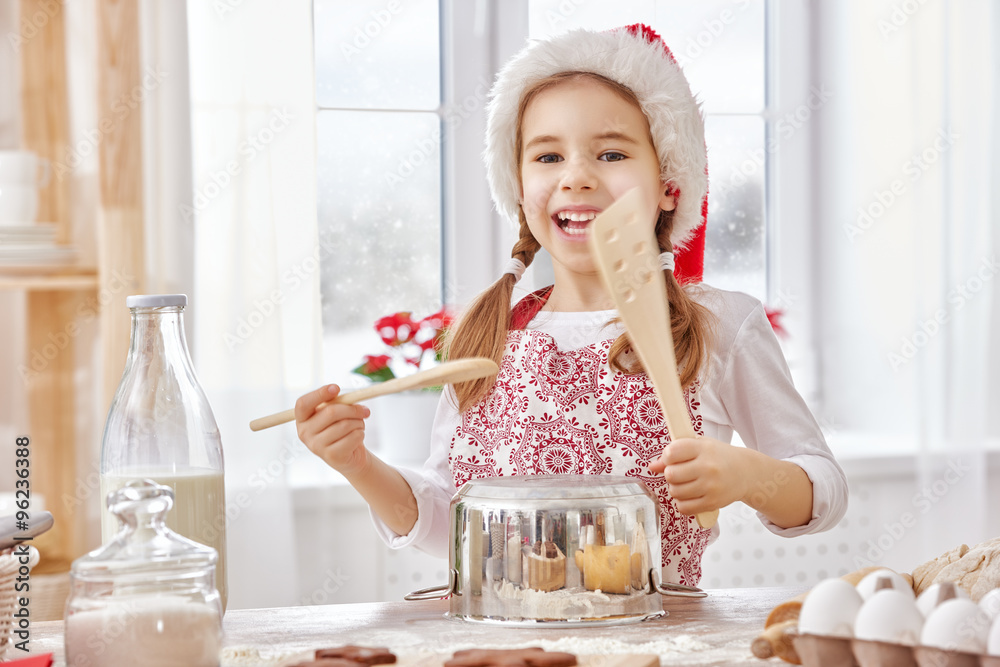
584, 146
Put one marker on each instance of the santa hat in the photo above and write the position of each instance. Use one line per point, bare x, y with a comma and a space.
636, 57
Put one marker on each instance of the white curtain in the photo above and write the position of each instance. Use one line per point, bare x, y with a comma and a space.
908, 250
255, 301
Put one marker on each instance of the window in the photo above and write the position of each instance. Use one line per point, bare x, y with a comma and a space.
379, 125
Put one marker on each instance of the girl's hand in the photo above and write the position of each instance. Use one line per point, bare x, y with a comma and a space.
333, 431
704, 474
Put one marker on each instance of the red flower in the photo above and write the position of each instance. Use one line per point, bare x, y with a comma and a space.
430, 335
410, 340
396, 329
773, 316
439, 320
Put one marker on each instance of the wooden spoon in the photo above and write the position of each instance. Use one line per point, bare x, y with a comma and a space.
449, 372
623, 244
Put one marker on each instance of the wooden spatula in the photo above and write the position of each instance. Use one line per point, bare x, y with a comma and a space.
459, 370
623, 245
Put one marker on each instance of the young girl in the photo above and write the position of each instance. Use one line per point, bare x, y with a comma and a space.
574, 123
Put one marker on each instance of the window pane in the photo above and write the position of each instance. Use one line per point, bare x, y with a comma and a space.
373, 54
720, 46
380, 225
735, 244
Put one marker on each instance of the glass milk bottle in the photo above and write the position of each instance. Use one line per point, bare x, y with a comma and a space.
161, 427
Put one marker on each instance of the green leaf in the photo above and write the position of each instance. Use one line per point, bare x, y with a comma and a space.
381, 375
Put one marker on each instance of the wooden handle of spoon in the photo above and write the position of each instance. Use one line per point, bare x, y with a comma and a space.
675, 407
446, 373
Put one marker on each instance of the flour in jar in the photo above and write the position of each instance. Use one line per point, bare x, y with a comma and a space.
147, 631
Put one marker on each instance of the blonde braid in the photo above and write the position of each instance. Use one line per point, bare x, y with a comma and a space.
482, 330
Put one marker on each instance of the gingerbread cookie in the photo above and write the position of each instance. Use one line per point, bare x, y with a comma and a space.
524, 657
360, 655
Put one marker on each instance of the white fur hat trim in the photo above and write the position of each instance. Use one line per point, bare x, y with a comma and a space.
644, 67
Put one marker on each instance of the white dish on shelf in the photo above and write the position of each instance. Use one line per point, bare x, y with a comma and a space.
19, 167
18, 202
22, 232
26, 226
17, 255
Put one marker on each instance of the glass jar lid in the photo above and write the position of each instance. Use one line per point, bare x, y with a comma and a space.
145, 546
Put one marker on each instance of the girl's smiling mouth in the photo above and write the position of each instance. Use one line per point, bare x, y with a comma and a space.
574, 223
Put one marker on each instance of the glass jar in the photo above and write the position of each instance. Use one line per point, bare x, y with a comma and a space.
161, 427
148, 596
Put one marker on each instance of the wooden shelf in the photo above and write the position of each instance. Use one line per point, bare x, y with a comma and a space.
60, 298
47, 279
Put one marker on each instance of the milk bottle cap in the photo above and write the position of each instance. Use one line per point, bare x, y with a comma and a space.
156, 300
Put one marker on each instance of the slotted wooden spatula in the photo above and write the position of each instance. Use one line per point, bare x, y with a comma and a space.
623, 245
449, 372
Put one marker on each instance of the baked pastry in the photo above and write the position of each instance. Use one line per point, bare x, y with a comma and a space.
975, 569
923, 575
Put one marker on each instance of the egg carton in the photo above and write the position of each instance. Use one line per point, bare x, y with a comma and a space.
822, 651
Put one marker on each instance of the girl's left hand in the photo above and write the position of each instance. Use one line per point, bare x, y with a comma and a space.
704, 474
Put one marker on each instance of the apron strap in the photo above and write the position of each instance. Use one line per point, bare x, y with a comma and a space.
526, 309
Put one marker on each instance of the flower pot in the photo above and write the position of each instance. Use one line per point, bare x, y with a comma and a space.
401, 426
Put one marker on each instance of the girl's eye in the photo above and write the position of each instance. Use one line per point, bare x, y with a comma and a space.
612, 156
548, 158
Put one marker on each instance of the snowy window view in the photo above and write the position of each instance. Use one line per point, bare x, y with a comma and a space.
378, 91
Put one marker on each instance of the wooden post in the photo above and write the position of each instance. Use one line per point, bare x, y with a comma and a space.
45, 104
51, 404
120, 90
52, 332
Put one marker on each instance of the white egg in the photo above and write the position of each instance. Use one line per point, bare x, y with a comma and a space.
956, 625
891, 616
868, 585
829, 609
927, 600
993, 644
990, 603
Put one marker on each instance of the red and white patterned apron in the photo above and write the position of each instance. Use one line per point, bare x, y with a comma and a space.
567, 412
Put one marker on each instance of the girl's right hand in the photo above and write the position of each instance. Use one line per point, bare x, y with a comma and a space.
333, 431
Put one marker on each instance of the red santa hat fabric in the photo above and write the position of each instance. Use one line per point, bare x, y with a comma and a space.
636, 57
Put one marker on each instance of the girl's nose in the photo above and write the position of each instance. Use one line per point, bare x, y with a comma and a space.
578, 175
